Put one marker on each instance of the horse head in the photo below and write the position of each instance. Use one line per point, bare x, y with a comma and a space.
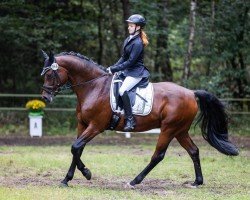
54, 77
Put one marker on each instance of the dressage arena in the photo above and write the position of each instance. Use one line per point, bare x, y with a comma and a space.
32, 168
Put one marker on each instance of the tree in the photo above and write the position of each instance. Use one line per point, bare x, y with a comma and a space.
218, 43
188, 56
231, 41
116, 26
126, 13
162, 60
100, 36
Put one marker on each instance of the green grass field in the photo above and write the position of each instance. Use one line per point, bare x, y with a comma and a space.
34, 172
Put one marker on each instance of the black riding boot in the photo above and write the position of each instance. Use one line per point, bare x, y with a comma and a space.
129, 118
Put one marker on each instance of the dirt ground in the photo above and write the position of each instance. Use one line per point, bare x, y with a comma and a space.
116, 139
150, 186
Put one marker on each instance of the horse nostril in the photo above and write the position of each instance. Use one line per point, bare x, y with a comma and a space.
46, 99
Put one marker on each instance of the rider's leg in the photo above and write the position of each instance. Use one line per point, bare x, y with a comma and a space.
127, 85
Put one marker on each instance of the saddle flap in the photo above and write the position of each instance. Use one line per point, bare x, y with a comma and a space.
141, 98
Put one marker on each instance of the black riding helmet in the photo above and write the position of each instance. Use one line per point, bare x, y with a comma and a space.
137, 19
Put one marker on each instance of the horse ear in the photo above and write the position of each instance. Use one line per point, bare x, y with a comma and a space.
51, 57
45, 55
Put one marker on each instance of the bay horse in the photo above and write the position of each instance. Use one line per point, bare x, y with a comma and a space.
173, 111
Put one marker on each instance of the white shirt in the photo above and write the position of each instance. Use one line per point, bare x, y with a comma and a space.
131, 36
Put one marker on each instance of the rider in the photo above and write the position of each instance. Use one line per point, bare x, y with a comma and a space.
131, 64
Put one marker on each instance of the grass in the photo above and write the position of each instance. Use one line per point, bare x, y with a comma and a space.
34, 172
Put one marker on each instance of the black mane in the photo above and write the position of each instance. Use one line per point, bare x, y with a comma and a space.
78, 55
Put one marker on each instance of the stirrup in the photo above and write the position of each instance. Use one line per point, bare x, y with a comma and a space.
129, 124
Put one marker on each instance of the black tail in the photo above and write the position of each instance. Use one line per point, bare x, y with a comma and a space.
214, 123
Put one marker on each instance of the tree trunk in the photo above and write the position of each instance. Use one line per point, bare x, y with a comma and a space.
243, 20
162, 63
213, 12
100, 37
237, 93
212, 31
115, 27
188, 57
126, 14
241, 81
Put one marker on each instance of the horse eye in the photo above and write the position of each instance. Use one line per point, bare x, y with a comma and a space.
49, 76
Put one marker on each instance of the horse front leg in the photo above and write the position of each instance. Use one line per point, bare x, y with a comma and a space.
69, 176
76, 150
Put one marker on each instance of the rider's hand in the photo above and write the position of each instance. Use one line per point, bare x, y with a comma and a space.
109, 70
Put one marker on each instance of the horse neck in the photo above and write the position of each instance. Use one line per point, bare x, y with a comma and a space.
79, 71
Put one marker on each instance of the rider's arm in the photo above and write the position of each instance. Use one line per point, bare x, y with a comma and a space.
136, 50
121, 60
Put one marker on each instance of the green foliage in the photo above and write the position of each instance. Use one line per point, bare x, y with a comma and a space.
54, 123
65, 123
221, 41
222, 44
220, 58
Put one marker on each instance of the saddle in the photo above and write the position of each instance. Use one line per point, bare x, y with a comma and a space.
141, 96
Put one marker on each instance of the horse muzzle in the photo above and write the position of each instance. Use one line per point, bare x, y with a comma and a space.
47, 97
48, 93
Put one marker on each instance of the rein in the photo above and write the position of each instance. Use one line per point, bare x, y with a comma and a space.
62, 88
83, 83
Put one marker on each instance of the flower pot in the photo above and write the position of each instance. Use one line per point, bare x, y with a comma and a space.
35, 124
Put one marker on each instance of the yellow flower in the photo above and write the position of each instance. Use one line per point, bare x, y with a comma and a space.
35, 105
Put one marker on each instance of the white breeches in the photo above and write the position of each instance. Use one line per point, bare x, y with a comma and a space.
128, 84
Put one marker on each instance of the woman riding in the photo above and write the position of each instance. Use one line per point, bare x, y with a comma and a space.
131, 64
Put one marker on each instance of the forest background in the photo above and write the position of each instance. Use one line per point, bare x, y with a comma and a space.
197, 44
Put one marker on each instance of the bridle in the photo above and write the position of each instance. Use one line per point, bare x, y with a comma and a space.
57, 87
52, 90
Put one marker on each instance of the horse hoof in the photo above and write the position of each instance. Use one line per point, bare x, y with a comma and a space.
190, 185
63, 185
129, 186
87, 173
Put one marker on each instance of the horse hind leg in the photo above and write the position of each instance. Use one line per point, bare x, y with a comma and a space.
187, 143
161, 148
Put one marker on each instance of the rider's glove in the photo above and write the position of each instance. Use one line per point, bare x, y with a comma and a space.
109, 70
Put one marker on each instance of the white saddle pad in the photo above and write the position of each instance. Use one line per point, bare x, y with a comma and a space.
141, 107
